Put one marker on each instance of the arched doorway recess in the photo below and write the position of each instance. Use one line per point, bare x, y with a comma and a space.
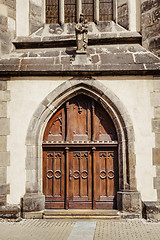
80, 167
127, 196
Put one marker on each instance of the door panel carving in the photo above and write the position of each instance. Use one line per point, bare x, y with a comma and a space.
54, 178
80, 183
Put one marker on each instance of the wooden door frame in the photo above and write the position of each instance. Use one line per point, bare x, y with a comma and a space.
117, 112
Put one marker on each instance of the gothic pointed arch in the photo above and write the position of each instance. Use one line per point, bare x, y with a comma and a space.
113, 106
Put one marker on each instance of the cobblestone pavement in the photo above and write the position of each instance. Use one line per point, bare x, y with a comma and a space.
36, 229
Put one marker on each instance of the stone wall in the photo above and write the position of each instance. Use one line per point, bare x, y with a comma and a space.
4, 131
122, 10
155, 100
7, 25
150, 10
35, 15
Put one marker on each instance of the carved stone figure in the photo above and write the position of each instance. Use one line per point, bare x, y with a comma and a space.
82, 34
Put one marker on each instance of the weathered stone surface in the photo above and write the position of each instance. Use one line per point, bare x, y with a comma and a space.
129, 201
4, 96
10, 211
157, 183
4, 159
155, 100
3, 143
3, 85
3, 109
156, 156
151, 210
3, 21
151, 25
157, 140
123, 19
4, 189
11, 3
4, 126
33, 202
3, 176
145, 58
156, 125
3, 200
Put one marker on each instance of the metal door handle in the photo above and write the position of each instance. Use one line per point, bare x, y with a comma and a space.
70, 175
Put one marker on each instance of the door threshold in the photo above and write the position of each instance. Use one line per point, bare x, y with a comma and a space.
81, 214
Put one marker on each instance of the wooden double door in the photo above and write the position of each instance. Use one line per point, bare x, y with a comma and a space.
79, 168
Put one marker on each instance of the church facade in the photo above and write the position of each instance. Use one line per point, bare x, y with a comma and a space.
79, 130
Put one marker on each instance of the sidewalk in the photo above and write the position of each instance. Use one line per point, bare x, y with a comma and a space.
38, 229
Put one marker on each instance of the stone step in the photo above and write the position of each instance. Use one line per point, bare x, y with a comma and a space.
81, 214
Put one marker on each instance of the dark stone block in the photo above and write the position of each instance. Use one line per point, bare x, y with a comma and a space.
48, 54
40, 61
65, 60
146, 58
151, 210
33, 202
116, 58
8, 67
14, 61
95, 59
154, 44
3, 200
43, 68
4, 189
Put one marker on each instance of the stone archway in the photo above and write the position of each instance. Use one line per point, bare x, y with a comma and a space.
127, 197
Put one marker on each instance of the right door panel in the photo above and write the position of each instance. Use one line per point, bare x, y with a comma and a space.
106, 178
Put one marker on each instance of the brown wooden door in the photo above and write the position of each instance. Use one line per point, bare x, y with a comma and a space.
80, 166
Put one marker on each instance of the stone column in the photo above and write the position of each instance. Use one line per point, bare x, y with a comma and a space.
134, 15
96, 11
79, 9
61, 12
115, 17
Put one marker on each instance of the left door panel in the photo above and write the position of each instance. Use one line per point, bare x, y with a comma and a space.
54, 178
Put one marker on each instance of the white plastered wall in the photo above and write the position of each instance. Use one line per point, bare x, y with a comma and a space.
26, 95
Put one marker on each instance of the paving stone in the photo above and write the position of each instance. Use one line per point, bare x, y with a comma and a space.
39, 229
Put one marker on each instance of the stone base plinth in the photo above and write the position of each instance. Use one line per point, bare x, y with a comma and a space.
129, 201
10, 211
33, 203
151, 210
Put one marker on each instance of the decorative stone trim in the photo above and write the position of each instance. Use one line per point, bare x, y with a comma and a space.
4, 131
48, 107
